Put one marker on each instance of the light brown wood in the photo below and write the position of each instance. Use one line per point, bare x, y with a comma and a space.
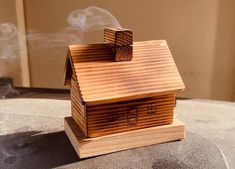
88, 147
23, 50
152, 72
123, 53
129, 115
110, 97
77, 108
121, 41
119, 37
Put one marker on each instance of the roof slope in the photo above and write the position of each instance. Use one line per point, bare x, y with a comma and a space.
152, 72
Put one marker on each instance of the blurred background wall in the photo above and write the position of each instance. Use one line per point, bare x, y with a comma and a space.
9, 50
200, 34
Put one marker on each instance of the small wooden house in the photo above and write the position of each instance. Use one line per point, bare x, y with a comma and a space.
118, 85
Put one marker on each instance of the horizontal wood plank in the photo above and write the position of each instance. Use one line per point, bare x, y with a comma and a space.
88, 147
129, 115
78, 109
152, 72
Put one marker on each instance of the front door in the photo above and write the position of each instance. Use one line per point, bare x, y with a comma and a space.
132, 117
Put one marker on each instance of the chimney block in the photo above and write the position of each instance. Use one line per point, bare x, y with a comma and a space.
121, 40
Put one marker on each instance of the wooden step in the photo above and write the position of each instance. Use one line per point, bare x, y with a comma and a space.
88, 147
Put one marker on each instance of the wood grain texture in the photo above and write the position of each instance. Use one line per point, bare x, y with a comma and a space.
129, 115
119, 37
78, 110
123, 53
152, 72
121, 41
88, 147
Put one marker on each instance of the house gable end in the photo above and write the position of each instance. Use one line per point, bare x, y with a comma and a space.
68, 71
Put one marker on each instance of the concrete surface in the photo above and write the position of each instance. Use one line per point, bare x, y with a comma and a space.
32, 136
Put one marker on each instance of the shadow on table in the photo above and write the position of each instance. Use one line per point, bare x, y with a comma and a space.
34, 149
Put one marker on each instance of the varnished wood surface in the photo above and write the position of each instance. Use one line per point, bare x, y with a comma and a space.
152, 72
88, 147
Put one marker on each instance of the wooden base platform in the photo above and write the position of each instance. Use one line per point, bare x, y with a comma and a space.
88, 147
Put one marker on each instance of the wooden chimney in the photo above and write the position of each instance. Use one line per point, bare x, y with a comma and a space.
121, 41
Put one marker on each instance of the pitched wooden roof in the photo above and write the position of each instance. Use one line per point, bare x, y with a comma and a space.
152, 72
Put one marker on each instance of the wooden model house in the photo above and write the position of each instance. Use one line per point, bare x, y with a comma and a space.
120, 86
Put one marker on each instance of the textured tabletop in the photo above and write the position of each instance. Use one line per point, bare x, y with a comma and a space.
32, 136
